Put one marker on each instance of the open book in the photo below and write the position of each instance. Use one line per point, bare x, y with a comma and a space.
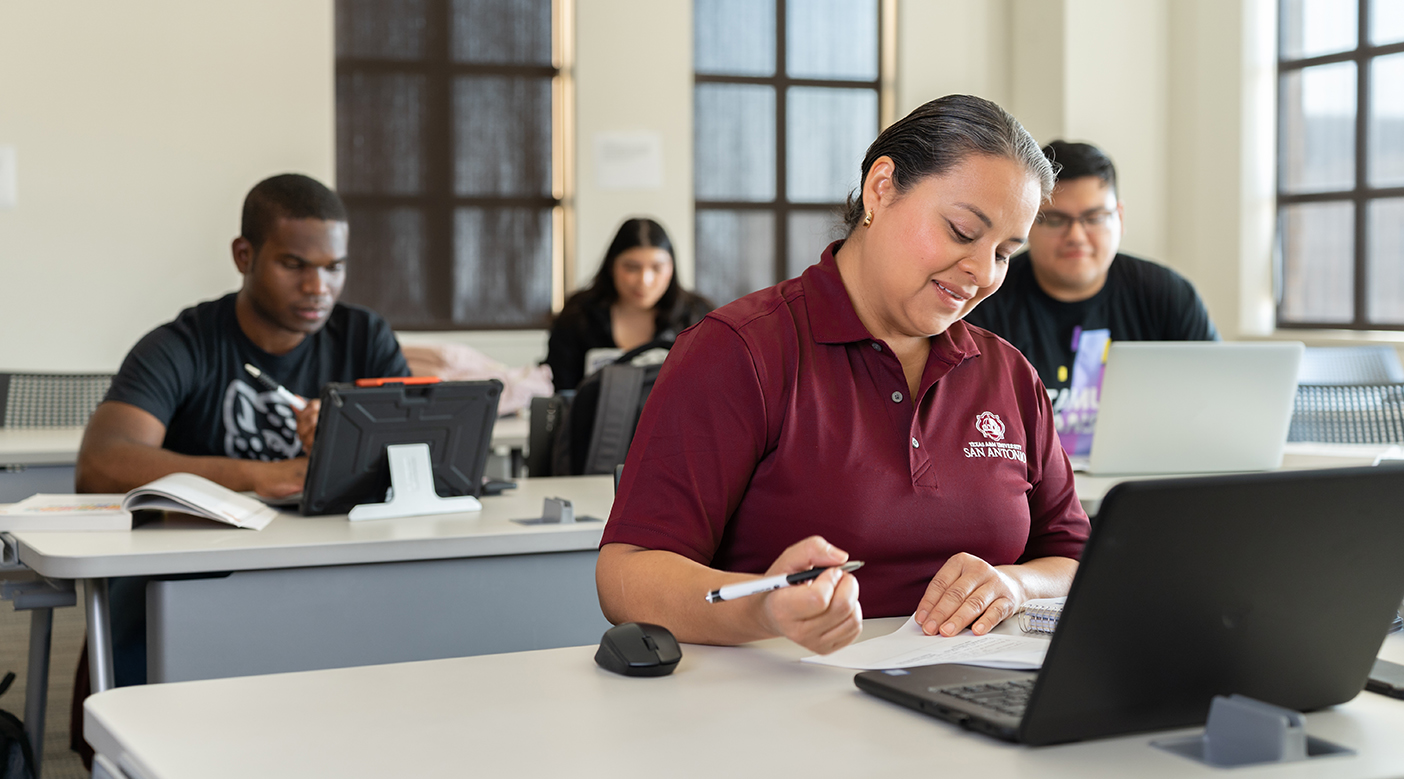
190, 494
181, 492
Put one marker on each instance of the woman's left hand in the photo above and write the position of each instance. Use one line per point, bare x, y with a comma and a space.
968, 592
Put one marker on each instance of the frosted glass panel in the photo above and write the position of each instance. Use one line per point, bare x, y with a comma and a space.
832, 39
734, 37
1318, 128
502, 267
734, 142
389, 264
1318, 258
735, 253
1386, 287
828, 132
1387, 122
380, 134
810, 233
1311, 28
381, 29
497, 32
502, 135
1386, 21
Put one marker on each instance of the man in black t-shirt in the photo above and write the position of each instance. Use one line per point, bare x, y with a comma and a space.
1072, 287
183, 401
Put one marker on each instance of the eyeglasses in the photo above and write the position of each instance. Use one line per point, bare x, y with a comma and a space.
1092, 220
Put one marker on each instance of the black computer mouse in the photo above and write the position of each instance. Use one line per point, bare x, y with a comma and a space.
638, 649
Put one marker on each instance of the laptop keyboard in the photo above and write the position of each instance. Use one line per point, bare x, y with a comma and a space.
1009, 697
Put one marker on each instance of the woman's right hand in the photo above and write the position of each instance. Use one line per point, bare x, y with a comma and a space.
823, 615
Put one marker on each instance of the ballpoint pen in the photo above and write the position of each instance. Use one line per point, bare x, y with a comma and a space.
276, 388
742, 589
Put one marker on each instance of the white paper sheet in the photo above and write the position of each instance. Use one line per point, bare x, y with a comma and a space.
908, 646
629, 160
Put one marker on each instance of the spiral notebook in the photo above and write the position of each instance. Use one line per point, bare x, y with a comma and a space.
1041, 615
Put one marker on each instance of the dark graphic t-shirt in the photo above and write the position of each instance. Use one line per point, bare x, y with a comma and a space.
1141, 301
190, 375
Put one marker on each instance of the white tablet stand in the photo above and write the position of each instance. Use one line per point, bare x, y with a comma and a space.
412, 489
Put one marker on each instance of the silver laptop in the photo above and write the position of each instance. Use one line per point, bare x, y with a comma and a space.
1194, 407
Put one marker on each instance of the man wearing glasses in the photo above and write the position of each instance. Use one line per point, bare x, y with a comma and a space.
1072, 291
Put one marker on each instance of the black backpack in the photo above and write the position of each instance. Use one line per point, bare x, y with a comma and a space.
589, 431
16, 757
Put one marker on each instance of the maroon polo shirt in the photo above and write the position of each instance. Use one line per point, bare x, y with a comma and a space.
779, 417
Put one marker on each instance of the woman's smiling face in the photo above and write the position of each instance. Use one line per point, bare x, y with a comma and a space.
934, 252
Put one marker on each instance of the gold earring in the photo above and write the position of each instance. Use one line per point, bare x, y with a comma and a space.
868, 219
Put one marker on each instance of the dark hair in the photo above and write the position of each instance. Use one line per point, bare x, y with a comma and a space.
940, 135
1079, 160
676, 310
287, 196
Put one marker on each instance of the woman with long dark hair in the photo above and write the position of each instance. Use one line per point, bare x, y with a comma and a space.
634, 299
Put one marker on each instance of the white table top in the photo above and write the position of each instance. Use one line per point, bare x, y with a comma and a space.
40, 446
189, 545
738, 711
59, 445
1091, 489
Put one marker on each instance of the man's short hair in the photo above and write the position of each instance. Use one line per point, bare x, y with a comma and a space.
287, 196
1079, 160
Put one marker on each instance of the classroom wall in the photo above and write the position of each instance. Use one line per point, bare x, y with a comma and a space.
138, 127
633, 76
1097, 71
952, 47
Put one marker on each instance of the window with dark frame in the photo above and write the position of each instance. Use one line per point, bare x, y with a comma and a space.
786, 102
1340, 180
446, 127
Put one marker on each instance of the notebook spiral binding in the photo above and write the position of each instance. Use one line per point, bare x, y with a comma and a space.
1039, 619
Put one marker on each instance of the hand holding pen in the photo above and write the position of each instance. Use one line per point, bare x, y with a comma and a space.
273, 386
306, 412
823, 615
757, 586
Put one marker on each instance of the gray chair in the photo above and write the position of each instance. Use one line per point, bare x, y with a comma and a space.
50, 399
1349, 395
1348, 414
1350, 365
40, 400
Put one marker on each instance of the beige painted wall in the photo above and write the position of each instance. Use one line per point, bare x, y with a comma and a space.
952, 47
138, 127
633, 74
1097, 71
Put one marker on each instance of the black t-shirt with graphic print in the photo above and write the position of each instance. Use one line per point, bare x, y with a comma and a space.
190, 375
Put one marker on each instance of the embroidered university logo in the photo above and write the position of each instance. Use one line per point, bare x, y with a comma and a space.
990, 426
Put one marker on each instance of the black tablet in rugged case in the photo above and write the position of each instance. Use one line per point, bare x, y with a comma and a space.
349, 465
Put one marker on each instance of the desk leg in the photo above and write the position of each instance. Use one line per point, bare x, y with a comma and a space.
99, 634
36, 696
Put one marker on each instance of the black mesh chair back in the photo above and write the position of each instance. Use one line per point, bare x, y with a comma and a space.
50, 399
1343, 414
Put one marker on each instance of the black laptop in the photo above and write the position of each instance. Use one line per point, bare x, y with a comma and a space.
1279, 586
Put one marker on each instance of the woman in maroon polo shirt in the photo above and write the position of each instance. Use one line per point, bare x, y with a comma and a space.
851, 412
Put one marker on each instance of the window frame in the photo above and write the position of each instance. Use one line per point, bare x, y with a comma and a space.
438, 201
1361, 195
780, 206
